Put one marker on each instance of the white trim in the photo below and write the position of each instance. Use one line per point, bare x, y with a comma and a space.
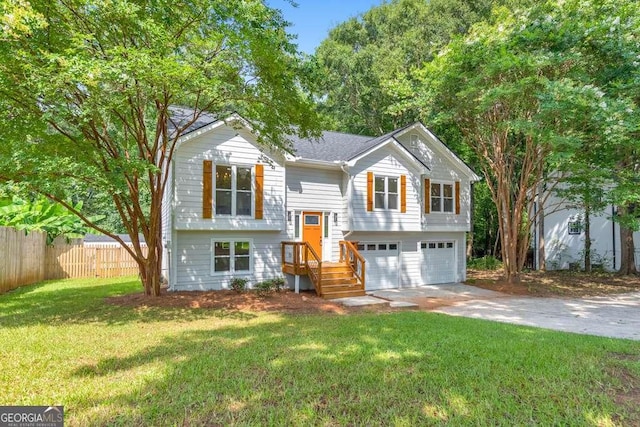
386, 193
234, 190
231, 271
422, 169
311, 163
439, 145
441, 183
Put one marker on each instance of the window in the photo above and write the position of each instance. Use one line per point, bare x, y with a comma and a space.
386, 192
326, 226
297, 226
231, 256
312, 220
234, 194
575, 227
442, 197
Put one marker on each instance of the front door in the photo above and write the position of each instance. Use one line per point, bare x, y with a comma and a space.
312, 230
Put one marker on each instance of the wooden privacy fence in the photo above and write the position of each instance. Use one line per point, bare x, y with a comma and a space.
21, 258
75, 260
26, 259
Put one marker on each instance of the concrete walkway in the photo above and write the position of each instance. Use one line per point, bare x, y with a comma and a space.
616, 316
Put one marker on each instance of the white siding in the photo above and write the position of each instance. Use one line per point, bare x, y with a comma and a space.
441, 169
224, 145
411, 256
167, 200
321, 190
386, 162
562, 248
194, 252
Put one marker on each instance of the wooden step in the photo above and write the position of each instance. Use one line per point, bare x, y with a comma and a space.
336, 270
340, 287
329, 281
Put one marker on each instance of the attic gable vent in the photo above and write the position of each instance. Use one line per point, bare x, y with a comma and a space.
415, 139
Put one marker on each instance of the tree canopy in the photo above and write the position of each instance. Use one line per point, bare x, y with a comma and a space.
539, 91
363, 60
87, 87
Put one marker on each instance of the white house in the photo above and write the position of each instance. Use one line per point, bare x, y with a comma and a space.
399, 202
564, 237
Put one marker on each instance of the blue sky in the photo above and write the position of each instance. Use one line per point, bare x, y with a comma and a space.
313, 19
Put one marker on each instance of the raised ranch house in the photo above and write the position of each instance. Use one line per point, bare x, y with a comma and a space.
344, 214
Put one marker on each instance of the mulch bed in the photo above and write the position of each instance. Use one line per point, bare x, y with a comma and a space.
559, 284
285, 301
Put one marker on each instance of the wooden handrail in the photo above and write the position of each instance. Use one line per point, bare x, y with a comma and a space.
350, 255
314, 267
303, 260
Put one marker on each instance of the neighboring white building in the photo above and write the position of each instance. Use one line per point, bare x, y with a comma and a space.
564, 237
404, 197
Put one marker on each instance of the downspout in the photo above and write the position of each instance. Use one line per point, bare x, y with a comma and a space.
535, 236
344, 166
613, 234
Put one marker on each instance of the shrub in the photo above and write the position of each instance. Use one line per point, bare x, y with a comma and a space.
238, 284
278, 283
485, 263
268, 286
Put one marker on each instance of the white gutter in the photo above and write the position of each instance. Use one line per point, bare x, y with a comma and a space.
314, 163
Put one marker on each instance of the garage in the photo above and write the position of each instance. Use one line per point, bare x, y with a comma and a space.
382, 264
439, 262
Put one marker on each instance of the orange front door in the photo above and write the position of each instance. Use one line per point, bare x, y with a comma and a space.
312, 230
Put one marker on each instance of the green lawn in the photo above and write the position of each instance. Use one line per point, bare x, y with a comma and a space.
61, 344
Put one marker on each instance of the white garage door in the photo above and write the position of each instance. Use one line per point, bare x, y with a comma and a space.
382, 264
439, 264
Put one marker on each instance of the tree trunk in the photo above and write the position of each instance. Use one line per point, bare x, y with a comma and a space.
151, 271
627, 252
587, 239
542, 257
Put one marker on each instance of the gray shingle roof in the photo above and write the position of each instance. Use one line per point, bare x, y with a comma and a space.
330, 147
180, 116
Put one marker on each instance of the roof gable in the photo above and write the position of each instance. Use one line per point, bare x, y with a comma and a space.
330, 148
440, 147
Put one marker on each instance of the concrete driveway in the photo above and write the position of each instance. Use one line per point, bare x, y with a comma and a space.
612, 316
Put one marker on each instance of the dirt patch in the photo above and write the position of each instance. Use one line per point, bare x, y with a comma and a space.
561, 284
284, 301
549, 284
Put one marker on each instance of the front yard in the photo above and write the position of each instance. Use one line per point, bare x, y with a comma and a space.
132, 364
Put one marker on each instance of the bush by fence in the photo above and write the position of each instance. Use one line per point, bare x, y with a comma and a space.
26, 259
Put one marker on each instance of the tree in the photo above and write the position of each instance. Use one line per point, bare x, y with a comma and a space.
596, 102
87, 88
43, 215
366, 62
530, 92
488, 85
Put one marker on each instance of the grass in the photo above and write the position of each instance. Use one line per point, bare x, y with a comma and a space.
60, 343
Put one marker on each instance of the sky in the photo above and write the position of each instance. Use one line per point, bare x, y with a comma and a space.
313, 19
